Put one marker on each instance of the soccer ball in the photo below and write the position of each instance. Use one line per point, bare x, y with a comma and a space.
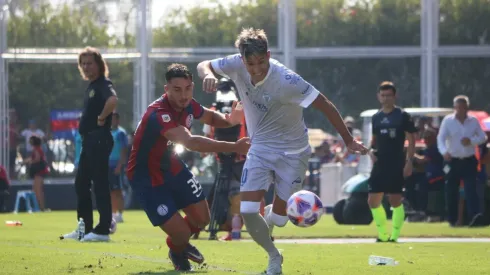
304, 208
113, 227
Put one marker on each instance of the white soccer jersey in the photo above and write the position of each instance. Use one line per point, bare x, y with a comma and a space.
273, 107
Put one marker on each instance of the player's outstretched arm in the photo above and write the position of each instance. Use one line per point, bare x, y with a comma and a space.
324, 105
330, 111
203, 144
219, 120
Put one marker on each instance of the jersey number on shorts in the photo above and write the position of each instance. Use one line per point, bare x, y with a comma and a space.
244, 176
196, 187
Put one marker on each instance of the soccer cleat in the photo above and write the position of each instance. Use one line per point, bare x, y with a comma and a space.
226, 238
118, 218
275, 265
193, 254
93, 237
180, 262
378, 240
392, 241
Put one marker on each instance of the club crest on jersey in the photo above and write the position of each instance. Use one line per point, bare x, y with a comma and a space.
267, 97
166, 118
189, 120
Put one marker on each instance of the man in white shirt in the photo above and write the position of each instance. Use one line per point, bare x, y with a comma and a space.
458, 137
273, 99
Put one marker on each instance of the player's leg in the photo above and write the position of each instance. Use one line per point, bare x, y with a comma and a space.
160, 207
189, 197
117, 202
290, 172
256, 179
84, 196
376, 185
395, 196
236, 222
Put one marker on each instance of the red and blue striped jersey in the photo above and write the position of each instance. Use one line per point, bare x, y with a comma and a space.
151, 155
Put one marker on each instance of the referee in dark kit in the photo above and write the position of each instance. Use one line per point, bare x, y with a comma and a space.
95, 129
391, 126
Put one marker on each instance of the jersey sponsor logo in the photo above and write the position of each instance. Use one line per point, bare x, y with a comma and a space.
392, 133
292, 77
222, 62
385, 120
162, 210
260, 106
189, 120
166, 118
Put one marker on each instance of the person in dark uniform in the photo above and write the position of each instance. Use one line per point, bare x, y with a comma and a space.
95, 130
390, 127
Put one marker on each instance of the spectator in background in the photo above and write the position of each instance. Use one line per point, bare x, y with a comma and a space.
4, 189
324, 153
38, 168
117, 162
458, 135
350, 123
14, 137
433, 162
32, 130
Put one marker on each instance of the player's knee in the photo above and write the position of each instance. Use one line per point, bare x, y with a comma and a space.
374, 200
249, 207
278, 220
395, 200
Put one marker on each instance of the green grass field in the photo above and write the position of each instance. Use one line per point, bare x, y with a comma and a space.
138, 248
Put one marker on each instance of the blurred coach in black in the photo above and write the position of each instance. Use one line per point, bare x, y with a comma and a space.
95, 129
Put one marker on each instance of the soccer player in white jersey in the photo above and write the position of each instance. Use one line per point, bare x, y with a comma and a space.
273, 99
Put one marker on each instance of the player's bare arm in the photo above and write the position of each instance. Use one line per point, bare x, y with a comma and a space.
208, 75
411, 145
196, 143
219, 120
324, 105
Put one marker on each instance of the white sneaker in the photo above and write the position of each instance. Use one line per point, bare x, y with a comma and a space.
275, 265
73, 235
267, 212
92, 237
118, 218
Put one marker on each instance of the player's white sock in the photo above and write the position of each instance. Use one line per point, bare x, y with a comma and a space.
259, 231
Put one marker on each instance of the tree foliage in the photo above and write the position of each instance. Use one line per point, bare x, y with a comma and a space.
350, 83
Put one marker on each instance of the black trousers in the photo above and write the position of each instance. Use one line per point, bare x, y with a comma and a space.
462, 170
93, 169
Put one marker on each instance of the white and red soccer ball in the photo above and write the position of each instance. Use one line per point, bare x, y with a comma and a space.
304, 208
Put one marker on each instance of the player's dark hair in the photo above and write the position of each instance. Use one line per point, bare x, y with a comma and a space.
461, 99
99, 60
35, 140
177, 70
252, 42
387, 85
